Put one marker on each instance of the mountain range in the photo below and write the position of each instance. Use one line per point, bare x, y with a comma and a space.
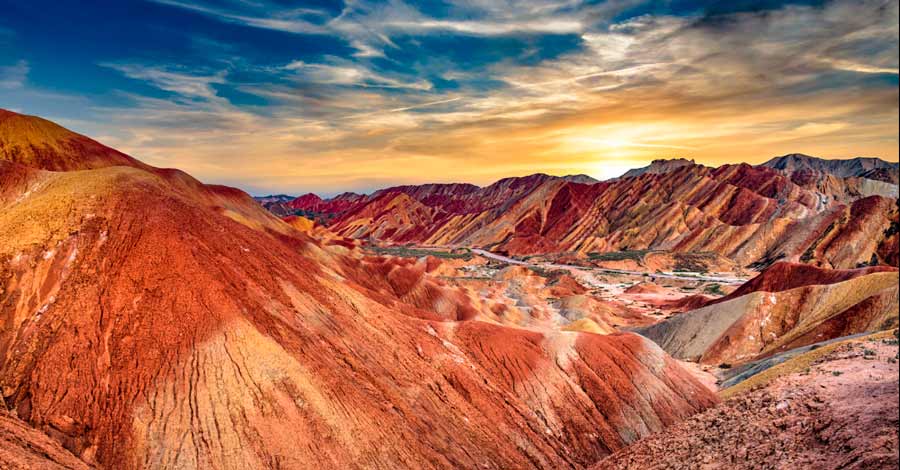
781, 210
865, 167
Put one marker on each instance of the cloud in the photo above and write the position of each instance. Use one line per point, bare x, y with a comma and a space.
404, 103
851, 66
368, 27
343, 72
290, 21
182, 83
489, 28
14, 76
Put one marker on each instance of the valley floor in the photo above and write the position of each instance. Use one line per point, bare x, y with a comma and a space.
828, 405
660, 275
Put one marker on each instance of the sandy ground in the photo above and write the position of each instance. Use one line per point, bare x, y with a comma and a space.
703, 374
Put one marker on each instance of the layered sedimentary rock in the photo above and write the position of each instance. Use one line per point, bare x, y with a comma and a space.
793, 306
784, 276
871, 168
22, 446
150, 321
843, 189
752, 215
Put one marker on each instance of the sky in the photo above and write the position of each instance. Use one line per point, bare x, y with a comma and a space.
276, 96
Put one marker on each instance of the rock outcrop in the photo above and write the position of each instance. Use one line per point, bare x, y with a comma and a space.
659, 166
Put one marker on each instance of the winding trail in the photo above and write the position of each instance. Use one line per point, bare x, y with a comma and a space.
685, 277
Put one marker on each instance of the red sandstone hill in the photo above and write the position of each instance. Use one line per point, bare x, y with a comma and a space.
450, 198
753, 215
783, 276
36, 142
785, 307
150, 321
311, 205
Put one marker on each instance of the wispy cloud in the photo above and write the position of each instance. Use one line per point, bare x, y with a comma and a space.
490, 28
182, 83
343, 72
368, 26
560, 87
14, 76
291, 20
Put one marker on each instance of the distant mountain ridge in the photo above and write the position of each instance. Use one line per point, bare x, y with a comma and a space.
274, 198
659, 166
865, 167
751, 214
453, 197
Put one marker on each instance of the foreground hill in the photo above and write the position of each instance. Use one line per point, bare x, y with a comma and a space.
151, 321
831, 408
752, 215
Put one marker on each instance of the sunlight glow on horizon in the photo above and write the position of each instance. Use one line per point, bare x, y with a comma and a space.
363, 95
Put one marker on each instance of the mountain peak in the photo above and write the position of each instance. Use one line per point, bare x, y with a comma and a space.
659, 166
580, 178
39, 143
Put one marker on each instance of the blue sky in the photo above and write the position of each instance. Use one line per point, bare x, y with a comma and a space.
278, 96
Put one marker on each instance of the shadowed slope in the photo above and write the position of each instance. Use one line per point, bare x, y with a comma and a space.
22, 446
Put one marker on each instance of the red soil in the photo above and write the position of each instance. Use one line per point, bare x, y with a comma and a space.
842, 414
784, 276
566, 285
690, 302
645, 288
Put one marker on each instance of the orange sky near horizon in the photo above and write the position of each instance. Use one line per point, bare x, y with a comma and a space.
356, 96
480, 148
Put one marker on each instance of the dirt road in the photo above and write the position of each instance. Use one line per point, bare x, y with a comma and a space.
684, 277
